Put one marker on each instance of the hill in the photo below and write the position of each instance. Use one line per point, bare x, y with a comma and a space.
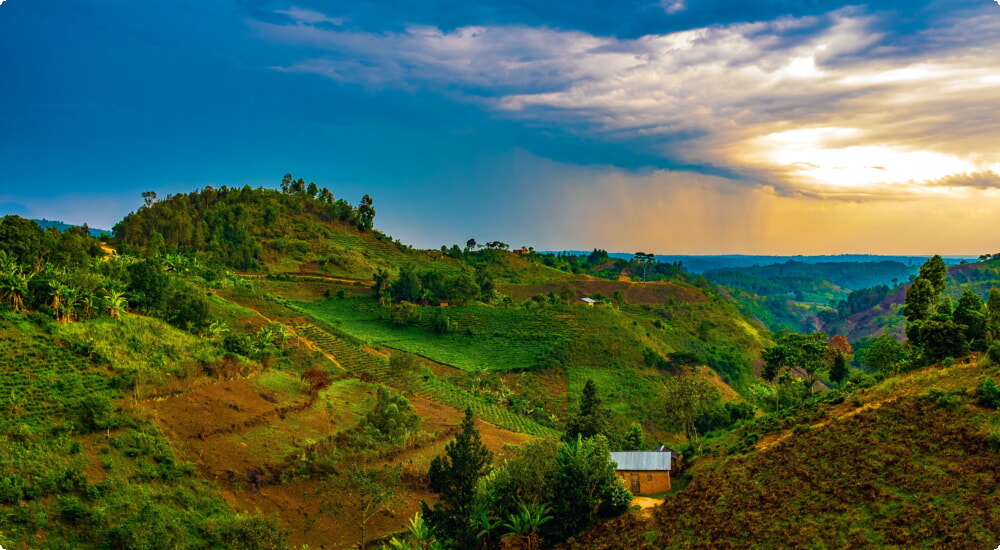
266, 338
909, 463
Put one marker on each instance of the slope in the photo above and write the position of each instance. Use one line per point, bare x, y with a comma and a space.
912, 463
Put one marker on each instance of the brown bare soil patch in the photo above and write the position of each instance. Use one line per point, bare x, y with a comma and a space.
231, 431
713, 378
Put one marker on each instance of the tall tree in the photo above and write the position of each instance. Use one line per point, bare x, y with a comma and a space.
592, 419
838, 370
684, 399
935, 272
454, 477
586, 475
366, 214
920, 300
993, 315
969, 312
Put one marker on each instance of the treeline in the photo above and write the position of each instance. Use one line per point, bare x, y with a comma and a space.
431, 286
227, 223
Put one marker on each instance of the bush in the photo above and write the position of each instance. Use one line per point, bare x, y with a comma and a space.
942, 399
988, 393
993, 354
615, 502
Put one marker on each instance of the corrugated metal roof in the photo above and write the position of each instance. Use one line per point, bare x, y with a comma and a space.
641, 460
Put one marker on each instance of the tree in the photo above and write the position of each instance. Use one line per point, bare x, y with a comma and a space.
838, 371
633, 440
366, 214
586, 475
939, 339
645, 260
920, 300
884, 354
993, 315
969, 312
935, 272
592, 419
286, 183
776, 359
684, 399
312, 190
470, 244
454, 477
360, 492
21, 239
149, 197
392, 419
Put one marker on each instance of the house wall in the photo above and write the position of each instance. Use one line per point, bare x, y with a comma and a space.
650, 482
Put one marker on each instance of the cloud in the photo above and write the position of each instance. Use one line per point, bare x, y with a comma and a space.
839, 104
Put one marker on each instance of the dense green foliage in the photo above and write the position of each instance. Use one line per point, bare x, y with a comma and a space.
454, 478
226, 224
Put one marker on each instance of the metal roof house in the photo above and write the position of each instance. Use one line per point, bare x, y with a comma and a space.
644, 472
589, 301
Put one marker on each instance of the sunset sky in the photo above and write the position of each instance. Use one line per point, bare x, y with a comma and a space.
672, 126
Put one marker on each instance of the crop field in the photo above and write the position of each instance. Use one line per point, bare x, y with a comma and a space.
39, 378
483, 338
427, 384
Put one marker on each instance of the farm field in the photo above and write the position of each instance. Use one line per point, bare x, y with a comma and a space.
483, 338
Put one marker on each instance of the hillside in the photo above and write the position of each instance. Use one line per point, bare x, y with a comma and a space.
266, 338
275, 355
910, 463
879, 310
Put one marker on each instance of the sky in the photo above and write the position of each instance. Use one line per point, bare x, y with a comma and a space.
666, 126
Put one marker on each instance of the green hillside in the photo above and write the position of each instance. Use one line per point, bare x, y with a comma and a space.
236, 355
910, 463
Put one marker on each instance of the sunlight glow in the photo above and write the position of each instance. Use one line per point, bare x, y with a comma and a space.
825, 161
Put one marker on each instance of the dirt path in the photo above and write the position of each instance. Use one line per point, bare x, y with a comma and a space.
646, 504
306, 275
914, 383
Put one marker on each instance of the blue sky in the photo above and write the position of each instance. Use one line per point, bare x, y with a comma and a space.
672, 126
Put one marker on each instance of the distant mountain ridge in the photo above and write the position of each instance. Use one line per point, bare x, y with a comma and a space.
702, 263
61, 226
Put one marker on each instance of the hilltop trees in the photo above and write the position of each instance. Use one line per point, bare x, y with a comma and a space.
935, 328
226, 223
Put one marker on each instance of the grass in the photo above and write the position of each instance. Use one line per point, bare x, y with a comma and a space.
485, 338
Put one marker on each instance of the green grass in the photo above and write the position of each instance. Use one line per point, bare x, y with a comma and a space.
283, 386
485, 338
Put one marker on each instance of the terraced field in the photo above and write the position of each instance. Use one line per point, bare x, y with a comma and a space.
375, 367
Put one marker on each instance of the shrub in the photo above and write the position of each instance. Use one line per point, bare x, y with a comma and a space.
616, 501
988, 393
993, 353
940, 398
